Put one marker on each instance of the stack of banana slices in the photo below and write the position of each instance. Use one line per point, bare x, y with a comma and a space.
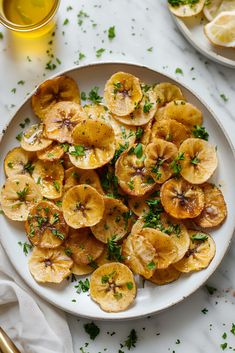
115, 190
220, 29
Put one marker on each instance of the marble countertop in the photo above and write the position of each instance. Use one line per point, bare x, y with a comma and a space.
146, 35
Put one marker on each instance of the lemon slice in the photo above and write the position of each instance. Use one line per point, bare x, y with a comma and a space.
221, 31
186, 8
213, 8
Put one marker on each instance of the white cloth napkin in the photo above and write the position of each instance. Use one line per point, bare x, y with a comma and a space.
34, 325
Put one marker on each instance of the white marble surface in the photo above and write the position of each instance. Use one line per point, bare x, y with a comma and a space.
140, 25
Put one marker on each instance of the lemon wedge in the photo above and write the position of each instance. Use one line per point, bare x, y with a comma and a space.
213, 8
221, 31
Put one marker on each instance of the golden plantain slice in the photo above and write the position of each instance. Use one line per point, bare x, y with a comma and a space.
94, 144
85, 269
50, 265
18, 195
82, 206
170, 130
115, 222
66, 161
124, 135
45, 226
185, 113
61, 88
33, 139
61, 120
52, 153
145, 132
159, 156
186, 9
81, 270
139, 255
49, 176
159, 114
143, 112
165, 276
122, 93
131, 172
140, 205
166, 251
75, 176
84, 247
18, 161
215, 209
113, 287
181, 199
200, 160
200, 254
169, 92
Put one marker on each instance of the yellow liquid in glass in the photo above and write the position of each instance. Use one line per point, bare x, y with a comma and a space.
27, 12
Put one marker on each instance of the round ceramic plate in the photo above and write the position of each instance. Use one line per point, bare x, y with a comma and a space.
192, 29
150, 299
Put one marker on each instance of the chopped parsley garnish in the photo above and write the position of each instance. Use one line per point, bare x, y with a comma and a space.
81, 56
114, 250
26, 121
50, 65
233, 329
26, 247
21, 82
105, 279
224, 336
204, 311
177, 341
118, 152
66, 21
139, 133
176, 3
211, 290
92, 330
19, 136
23, 193
29, 167
129, 285
224, 346
93, 95
195, 160
82, 286
10, 165
56, 185
138, 151
83, 96
78, 151
175, 165
150, 49
131, 340
225, 99
109, 183
179, 71
131, 184
99, 52
111, 32
58, 234
68, 251
151, 265
117, 295
199, 236
147, 106
200, 132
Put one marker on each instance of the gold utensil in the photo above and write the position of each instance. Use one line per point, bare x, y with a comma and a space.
6, 344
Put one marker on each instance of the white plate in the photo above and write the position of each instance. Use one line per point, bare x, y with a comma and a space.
192, 29
151, 299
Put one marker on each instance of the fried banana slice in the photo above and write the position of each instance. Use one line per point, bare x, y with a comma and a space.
82, 206
61, 120
122, 93
141, 205
185, 113
50, 265
181, 199
75, 176
115, 221
94, 144
166, 251
81, 270
144, 111
201, 252
199, 162
145, 132
124, 135
165, 276
49, 176
113, 287
139, 255
83, 246
33, 139
215, 209
18, 161
45, 226
182, 9
66, 161
159, 114
61, 88
131, 172
169, 91
52, 153
18, 195
159, 156
170, 130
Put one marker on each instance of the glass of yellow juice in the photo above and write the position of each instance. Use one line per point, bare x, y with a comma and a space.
28, 16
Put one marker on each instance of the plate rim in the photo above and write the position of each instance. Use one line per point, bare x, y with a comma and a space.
219, 59
133, 64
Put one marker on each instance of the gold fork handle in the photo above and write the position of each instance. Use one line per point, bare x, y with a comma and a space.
6, 344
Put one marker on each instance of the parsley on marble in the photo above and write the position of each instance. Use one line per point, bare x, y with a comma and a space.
111, 32
225, 99
204, 311
224, 346
66, 21
200, 132
58, 234
195, 160
26, 247
68, 252
92, 330
176, 3
81, 56
131, 340
99, 52
179, 71
94, 96
150, 49
1, 35
233, 329
211, 290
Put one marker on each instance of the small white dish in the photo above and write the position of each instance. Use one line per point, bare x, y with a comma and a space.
192, 29
151, 299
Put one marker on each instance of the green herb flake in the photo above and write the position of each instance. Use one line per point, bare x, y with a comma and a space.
56, 185
139, 133
92, 330
147, 106
77, 151
66, 21
114, 249
177, 341
131, 340
179, 71
82, 286
94, 96
150, 49
1, 35
151, 265
200, 132
225, 99
111, 32
26, 247
233, 329
211, 290
195, 160
138, 151
224, 336
81, 56
99, 52
83, 96
10, 165
199, 236
117, 295
224, 346
204, 311
175, 164
21, 82
129, 285
131, 184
